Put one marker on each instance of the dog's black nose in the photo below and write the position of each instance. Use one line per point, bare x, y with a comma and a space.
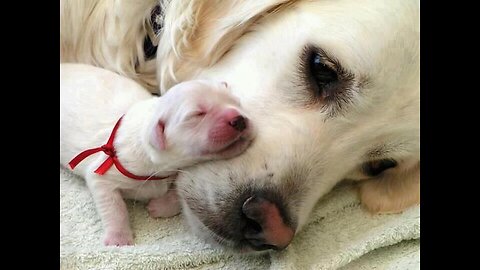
265, 226
238, 123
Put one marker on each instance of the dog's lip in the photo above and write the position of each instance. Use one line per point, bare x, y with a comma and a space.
247, 249
243, 247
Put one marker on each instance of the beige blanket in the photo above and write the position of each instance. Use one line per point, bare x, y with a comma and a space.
339, 234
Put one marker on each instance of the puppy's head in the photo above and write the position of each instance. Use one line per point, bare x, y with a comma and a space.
199, 120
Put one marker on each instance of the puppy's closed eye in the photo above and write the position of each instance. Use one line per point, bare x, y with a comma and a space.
193, 118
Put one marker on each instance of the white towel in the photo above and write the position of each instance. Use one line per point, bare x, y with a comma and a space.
339, 234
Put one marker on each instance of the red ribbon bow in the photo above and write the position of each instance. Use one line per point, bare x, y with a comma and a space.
112, 159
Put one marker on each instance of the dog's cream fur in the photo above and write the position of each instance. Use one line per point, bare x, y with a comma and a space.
93, 99
257, 47
108, 34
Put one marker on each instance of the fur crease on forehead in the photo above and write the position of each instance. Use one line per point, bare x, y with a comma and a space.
198, 33
195, 34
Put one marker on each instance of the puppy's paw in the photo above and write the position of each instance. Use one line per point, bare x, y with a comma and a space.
165, 206
118, 238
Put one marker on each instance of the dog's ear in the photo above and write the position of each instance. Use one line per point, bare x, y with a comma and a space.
392, 191
108, 34
157, 138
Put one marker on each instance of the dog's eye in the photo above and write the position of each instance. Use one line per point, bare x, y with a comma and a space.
326, 83
324, 77
376, 167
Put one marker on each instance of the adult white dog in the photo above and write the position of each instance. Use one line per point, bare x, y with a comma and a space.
333, 87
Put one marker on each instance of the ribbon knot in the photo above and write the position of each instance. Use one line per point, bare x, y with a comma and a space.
112, 159
108, 150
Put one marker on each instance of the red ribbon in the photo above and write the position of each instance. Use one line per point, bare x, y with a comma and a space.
112, 159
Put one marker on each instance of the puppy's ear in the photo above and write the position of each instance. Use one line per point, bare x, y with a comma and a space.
157, 138
393, 191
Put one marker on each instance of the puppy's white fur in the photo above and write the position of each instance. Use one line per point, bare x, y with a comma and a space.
93, 99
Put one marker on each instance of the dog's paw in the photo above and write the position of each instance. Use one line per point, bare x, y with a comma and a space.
118, 238
166, 206
391, 193
376, 201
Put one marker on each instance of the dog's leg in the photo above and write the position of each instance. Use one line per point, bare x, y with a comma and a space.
166, 206
112, 210
393, 191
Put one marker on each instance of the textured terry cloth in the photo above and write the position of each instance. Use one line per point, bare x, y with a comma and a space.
339, 234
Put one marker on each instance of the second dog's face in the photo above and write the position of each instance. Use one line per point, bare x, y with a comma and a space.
200, 120
330, 85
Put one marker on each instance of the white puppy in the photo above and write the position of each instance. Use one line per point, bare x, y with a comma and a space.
195, 121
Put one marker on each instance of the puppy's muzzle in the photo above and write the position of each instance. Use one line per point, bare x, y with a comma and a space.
229, 125
238, 123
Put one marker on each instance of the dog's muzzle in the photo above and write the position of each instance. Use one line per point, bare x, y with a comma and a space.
265, 226
252, 220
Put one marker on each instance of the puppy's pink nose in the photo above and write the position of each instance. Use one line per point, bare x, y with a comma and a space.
266, 228
239, 123
235, 119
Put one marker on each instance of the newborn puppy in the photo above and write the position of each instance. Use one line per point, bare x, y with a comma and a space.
194, 121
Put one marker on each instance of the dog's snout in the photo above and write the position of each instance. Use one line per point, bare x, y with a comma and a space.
239, 123
265, 226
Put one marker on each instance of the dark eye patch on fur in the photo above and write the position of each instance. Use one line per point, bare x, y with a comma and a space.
150, 43
329, 85
376, 167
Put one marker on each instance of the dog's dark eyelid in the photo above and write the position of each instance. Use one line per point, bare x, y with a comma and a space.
322, 74
374, 168
329, 83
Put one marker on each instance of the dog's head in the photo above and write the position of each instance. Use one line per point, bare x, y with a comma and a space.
198, 120
333, 89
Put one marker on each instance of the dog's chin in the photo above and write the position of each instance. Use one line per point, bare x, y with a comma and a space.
216, 241
231, 149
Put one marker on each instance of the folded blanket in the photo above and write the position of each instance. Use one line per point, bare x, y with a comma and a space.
339, 234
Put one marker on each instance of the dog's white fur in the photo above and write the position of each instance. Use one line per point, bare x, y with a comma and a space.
93, 99
257, 47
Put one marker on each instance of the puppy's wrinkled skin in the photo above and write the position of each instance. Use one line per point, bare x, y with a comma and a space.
157, 136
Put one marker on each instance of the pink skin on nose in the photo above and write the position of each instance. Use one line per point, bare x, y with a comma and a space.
275, 231
228, 125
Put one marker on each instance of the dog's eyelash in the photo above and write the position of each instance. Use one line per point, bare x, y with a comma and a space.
338, 93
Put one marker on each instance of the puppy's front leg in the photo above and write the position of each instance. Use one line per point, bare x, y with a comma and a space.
112, 210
